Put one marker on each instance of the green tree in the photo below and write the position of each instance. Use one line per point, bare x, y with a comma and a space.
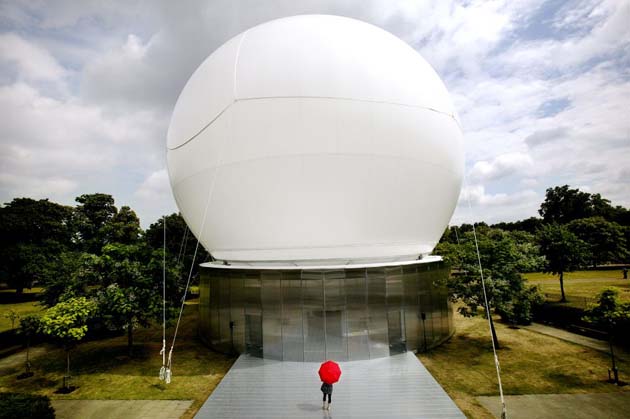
563, 204
123, 227
605, 239
612, 316
563, 251
501, 259
29, 326
91, 217
67, 323
180, 243
12, 316
69, 275
529, 225
33, 233
131, 293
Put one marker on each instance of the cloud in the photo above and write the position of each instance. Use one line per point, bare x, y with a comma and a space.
61, 148
35, 187
501, 166
475, 205
31, 61
155, 187
546, 136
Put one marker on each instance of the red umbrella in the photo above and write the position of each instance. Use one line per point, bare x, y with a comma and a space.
329, 372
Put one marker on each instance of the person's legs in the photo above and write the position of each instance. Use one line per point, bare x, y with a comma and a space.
324, 401
329, 397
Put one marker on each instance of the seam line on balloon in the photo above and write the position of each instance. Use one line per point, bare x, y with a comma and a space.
383, 102
204, 128
236, 59
312, 97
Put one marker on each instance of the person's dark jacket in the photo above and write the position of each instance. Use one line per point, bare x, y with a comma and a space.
327, 388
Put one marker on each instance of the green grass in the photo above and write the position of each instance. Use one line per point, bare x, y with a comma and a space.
531, 363
22, 309
580, 284
102, 369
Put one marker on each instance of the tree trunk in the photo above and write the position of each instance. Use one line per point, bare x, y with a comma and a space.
612, 356
495, 339
130, 337
563, 299
28, 361
67, 377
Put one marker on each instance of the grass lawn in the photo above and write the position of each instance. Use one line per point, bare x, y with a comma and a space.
23, 306
102, 369
530, 364
581, 284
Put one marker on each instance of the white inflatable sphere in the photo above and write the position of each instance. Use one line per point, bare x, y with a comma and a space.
315, 139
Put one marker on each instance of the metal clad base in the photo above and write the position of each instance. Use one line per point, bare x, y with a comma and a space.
312, 314
394, 387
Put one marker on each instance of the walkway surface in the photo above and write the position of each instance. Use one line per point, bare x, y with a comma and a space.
598, 345
120, 409
554, 406
396, 387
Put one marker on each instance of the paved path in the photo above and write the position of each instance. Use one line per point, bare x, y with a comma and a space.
598, 345
554, 406
120, 409
395, 387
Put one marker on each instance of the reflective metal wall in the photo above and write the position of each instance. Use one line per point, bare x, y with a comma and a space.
314, 315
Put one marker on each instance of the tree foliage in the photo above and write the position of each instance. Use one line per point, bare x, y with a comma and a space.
131, 286
67, 321
123, 227
91, 217
502, 258
563, 205
605, 239
33, 233
563, 251
180, 243
609, 313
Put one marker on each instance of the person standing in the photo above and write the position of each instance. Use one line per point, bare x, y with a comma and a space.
329, 373
327, 390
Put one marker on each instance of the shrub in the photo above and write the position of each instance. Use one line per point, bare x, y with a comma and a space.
25, 406
520, 309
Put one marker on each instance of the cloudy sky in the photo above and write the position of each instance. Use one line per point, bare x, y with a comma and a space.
542, 89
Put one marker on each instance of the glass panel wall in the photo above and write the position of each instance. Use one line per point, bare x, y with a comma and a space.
377, 312
313, 315
357, 314
292, 336
313, 312
271, 299
336, 342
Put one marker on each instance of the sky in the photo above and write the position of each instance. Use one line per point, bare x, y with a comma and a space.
542, 89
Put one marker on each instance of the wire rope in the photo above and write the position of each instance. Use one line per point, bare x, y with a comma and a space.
487, 306
163, 351
168, 372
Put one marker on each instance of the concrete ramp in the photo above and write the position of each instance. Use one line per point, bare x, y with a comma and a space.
395, 387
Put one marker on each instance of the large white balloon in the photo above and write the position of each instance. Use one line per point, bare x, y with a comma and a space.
315, 139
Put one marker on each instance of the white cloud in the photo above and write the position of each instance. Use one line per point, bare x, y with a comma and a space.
501, 166
31, 61
546, 136
62, 148
37, 188
155, 187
